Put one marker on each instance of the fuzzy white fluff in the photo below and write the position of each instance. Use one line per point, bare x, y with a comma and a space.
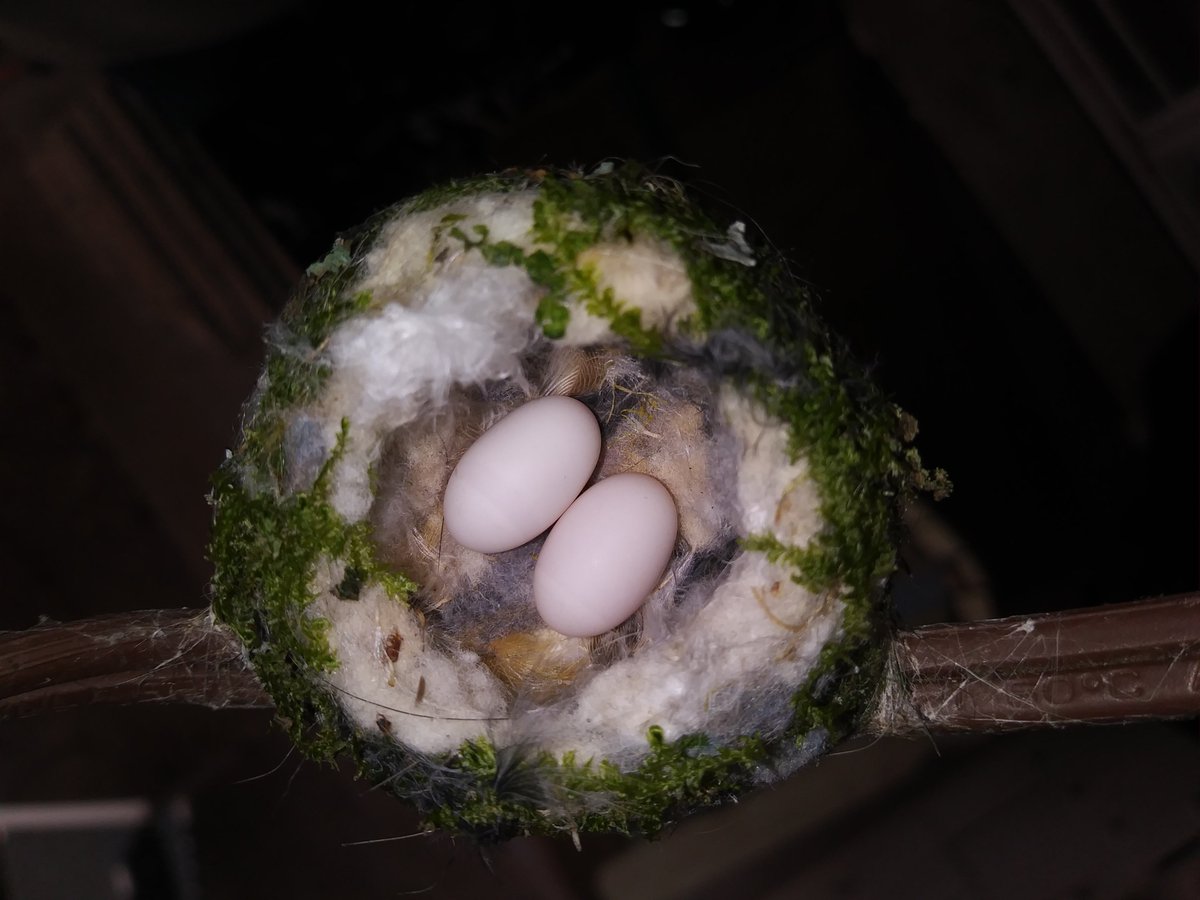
759, 630
642, 273
434, 700
467, 326
406, 255
447, 319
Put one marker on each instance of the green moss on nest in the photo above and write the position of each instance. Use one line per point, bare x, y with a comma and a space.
506, 182
562, 279
267, 550
267, 542
496, 795
854, 441
294, 370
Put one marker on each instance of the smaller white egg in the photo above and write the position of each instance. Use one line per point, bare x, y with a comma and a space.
605, 555
521, 474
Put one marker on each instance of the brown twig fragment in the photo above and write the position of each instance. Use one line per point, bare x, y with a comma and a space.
1106, 664
165, 656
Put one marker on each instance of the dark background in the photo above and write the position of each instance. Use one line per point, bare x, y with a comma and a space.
1003, 225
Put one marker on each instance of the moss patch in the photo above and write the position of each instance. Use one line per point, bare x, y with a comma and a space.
856, 443
498, 794
506, 182
267, 549
268, 540
560, 276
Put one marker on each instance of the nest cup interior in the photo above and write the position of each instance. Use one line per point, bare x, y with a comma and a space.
655, 419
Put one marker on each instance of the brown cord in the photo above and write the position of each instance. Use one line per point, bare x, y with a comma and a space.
1115, 663
1106, 664
164, 656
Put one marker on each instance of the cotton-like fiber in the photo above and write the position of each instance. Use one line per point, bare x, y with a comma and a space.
706, 369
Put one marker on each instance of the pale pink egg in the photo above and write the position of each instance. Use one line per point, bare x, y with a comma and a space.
605, 555
519, 477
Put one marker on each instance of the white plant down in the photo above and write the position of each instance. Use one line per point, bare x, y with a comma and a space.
449, 321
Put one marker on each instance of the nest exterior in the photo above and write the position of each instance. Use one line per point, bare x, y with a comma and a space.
706, 366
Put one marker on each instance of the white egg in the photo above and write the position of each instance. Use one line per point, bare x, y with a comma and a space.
605, 555
519, 477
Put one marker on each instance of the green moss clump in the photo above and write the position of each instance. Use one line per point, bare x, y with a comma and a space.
562, 279
268, 540
294, 370
499, 794
267, 550
507, 182
856, 443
